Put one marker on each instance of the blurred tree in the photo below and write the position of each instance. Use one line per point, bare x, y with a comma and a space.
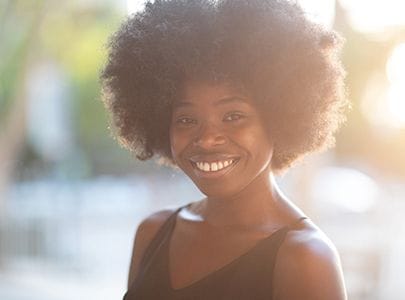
71, 37
16, 52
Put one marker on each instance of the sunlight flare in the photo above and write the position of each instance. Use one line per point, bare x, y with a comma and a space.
134, 6
374, 16
395, 69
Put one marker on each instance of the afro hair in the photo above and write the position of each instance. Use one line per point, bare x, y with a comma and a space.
289, 64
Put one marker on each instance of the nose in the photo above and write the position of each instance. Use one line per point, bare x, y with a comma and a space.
209, 136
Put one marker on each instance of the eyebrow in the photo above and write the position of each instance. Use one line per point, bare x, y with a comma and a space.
222, 101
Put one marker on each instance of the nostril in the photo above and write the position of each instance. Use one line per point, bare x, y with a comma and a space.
209, 136
209, 141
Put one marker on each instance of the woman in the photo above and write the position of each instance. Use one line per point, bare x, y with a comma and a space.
231, 92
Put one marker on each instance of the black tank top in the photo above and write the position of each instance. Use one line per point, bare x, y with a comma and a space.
247, 277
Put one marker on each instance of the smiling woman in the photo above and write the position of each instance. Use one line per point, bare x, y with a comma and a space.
218, 131
231, 92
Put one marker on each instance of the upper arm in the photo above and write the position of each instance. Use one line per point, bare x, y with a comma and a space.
145, 232
308, 267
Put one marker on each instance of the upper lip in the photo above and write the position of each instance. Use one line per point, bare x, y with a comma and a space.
212, 157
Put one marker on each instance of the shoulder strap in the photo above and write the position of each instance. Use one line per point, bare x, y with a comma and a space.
157, 241
278, 241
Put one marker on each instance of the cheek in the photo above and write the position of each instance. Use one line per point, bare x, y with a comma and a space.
262, 147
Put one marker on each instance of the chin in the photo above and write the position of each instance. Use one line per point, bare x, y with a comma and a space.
218, 190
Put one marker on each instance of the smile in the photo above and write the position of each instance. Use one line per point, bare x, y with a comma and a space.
216, 166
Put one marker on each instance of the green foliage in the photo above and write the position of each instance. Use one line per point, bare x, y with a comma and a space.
18, 20
71, 36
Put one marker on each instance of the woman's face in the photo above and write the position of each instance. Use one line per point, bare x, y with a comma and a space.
218, 139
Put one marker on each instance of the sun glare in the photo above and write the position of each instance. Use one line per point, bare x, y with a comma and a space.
375, 15
384, 100
320, 11
396, 93
396, 65
396, 105
134, 6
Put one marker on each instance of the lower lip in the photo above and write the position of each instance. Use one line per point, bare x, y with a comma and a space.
213, 174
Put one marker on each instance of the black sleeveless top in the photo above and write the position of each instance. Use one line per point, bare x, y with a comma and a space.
247, 277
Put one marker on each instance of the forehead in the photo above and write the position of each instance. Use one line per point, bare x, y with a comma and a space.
194, 93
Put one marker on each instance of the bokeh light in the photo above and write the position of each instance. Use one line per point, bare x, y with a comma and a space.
383, 102
396, 105
395, 69
356, 192
375, 15
320, 11
396, 65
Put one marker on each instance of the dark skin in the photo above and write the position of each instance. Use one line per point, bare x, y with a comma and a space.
216, 125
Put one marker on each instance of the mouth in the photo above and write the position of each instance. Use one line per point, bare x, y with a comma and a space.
214, 168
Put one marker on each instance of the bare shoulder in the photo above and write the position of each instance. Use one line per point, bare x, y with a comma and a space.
146, 231
308, 267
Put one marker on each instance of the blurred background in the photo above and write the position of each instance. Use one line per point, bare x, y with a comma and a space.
71, 198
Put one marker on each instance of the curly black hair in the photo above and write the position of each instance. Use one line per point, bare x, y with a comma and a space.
270, 48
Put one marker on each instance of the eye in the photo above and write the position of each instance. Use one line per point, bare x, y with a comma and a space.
185, 121
234, 116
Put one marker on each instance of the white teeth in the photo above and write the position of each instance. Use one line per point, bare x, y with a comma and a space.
215, 166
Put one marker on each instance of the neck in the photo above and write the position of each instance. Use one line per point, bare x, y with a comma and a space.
253, 206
